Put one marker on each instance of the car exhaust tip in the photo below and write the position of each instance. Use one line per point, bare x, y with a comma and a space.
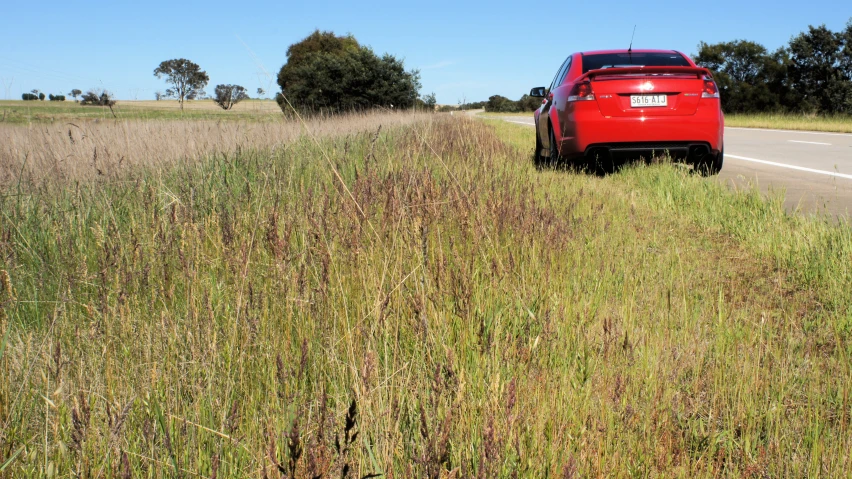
699, 151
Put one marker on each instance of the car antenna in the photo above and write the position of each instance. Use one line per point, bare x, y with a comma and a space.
630, 48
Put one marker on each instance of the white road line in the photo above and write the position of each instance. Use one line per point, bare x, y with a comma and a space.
792, 167
790, 131
809, 142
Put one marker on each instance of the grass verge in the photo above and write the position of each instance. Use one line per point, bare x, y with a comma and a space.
787, 121
424, 287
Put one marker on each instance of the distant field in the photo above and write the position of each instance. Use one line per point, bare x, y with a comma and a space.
82, 150
47, 111
406, 296
838, 123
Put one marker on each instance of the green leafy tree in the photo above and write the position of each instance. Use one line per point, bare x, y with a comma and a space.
186, 78
41, 96
429, 101
528, 103
75, 93
748, 77
819, 70
227, 96
500, 104
99, 97
325, 71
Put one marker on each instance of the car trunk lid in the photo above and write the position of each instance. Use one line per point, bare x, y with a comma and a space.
647, 91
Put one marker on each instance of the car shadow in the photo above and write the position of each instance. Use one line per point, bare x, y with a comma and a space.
603, 168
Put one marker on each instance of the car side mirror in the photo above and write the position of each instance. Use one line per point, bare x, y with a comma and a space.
538, 92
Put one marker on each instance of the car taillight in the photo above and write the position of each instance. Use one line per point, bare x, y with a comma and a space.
710, 90
581, 92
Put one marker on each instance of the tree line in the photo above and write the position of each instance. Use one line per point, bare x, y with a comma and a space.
811, 74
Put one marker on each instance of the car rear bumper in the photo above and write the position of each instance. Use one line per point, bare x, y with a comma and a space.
585, 131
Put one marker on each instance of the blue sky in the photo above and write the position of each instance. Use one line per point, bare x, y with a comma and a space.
464, 49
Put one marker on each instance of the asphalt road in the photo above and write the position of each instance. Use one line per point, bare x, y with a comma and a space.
813, 169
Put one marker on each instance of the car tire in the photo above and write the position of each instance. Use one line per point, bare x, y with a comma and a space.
538, 159
712, 167
554, 159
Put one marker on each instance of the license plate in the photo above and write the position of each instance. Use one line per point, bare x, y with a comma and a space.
642, 101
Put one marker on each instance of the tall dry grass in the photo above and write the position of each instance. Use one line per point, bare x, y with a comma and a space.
110, 149
439, 309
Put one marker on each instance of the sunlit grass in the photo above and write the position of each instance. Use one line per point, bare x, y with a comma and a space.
791, 121
219, 316
24, 112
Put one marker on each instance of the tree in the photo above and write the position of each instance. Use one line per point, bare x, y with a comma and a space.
501, 104
158, 95
227, 96
99, 97
748, 77
75, 93
819, 71
325, 71
41, 96
528, 103
187, 79
260, 92
429, 101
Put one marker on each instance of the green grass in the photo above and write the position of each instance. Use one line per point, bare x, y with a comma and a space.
789, 121
465, 314
23, 112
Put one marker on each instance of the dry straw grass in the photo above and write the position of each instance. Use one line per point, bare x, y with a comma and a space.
109, 149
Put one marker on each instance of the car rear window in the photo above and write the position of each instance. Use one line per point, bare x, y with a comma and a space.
612, 60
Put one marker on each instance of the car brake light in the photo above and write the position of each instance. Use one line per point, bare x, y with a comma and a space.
581, 92
710, 90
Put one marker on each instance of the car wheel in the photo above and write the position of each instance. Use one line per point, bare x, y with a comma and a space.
554, 159
538, 159
713, 165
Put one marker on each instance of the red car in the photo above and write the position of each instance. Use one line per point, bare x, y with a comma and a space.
609, 106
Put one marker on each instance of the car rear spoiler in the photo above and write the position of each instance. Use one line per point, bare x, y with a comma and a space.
697, 71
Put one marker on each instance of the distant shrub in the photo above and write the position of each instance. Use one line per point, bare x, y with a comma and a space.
41, 96
478, 105
99, 97
229, 95
29, 97
56, 97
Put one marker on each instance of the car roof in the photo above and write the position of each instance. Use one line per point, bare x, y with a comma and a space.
624, 50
